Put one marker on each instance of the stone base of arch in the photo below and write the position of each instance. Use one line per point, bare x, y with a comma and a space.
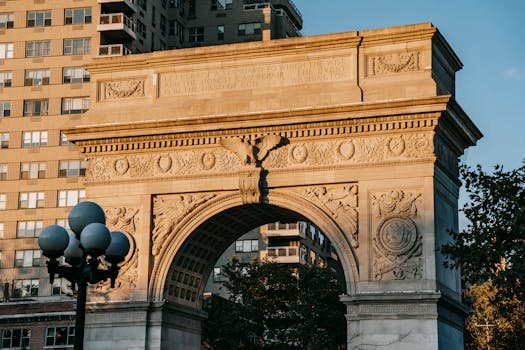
142, 326
404, 321
400, 320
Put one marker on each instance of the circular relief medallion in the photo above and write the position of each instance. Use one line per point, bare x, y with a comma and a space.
299, 153
396, 145
208, 160
121, 166
396, 236
164, 163
346, 149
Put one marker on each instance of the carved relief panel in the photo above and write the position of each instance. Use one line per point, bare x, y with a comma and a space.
168, 211
395, 239
125, 220
340, 203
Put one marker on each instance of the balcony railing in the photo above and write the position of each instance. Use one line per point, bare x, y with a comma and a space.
253, 6
116, 18
125, 5
113, 50
282, 255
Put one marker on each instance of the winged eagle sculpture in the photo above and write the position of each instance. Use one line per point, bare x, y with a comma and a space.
251, 152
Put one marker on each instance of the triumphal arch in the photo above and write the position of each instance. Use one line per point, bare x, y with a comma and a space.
357, 132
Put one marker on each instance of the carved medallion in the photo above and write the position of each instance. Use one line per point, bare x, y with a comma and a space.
397, 245
396, 145
164, 163
299, 153
208, 160
346, 149
121, 166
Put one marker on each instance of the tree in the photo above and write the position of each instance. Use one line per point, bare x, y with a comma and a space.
493, 245
276, 306
490, 253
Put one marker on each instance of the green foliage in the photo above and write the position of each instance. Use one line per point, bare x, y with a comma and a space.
276, 306
493, 246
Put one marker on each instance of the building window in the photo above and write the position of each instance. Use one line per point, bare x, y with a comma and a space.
34, 138
191, 8
163, 22
6, 79
221, 5
7, 20
75, 75
5, 108
217, 274
26, 229
249, 29
143, 4
39, 18
75, 105
6, 51
2, 201
220, 33
3, 172
38, 48
15, 338
32, 170
63, 139
31, 200
153, 16
1, 230
25, 288
64, 223
60, 336
141, 29
79, 46
4, 140
196, 34
36, 77
70, 198
61, 286
77, 16
27, 258
71, 168
247, 246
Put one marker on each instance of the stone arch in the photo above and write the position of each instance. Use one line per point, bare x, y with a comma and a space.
281, 203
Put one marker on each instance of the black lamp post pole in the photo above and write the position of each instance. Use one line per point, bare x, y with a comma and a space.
80, 318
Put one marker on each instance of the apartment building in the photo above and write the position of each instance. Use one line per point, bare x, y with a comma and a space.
44, 47
279, 242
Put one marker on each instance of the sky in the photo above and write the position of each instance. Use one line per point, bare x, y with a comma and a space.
489, 38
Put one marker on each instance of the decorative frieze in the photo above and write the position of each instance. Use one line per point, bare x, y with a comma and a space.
396, 242
119, 89
340, 202
168, 210
392, 63
358, 150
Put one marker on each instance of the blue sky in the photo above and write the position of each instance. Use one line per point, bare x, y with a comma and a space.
489, 38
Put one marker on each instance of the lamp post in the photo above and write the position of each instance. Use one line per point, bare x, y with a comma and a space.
89, 245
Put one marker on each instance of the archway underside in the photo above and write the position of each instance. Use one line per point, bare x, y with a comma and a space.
193, 263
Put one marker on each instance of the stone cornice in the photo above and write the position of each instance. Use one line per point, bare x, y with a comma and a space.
393, 35
320, 129
266, 121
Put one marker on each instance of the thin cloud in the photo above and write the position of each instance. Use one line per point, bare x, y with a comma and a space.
515, 73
